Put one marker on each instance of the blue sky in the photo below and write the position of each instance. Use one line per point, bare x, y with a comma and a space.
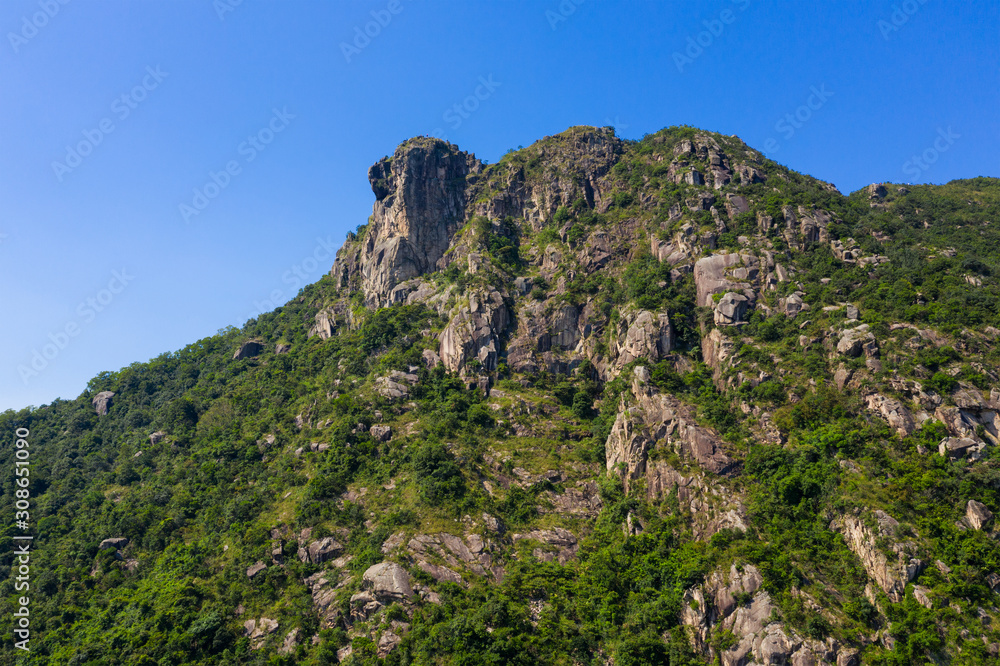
116, 114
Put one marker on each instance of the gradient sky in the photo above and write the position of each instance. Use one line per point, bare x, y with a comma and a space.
885, 80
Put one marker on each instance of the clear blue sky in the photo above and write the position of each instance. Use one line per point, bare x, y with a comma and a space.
199, 80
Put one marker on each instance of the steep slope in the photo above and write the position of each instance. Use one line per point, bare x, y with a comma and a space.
603, 401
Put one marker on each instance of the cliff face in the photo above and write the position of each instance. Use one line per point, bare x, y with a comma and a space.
601, 402
420, 202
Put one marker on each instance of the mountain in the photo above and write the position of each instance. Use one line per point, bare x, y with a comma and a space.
601, 402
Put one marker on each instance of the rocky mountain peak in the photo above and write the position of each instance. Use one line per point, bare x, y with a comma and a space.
420, 202
649, 401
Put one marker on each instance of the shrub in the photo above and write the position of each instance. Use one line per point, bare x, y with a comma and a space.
941, 383
437, 474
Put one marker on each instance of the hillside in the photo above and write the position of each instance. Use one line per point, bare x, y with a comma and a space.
601, 402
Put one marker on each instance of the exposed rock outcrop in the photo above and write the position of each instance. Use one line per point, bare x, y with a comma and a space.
420, 202
388, 582
643, 335
248, 349
259, 630
102, 402
893, 411
710, 277
978, 515
474, 332
649, 418
736, 603
854, 341
113, 542
558, 544
323, 587
583, 156
960, 447
321, 550
255, 569
396, 384
473, 553
891, 570
324, 324
731, 310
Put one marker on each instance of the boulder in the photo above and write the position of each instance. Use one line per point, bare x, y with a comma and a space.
396, 384
388, 580
290, 643
157, 437
324, 324
321, 550
561, 544
792, 305
381, 433
978, 515
893, 411
259, 630
391, 389
731, 310
643, 335
252, 571
113, 542
958, 447
710, 276
855, 340
875, 191
281, 348
431, 358
387, 642
102, 402
247, 350
474, 332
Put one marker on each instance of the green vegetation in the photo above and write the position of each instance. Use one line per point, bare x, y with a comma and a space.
355, 438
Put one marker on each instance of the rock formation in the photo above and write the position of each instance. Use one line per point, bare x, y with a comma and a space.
102, 402
420, 202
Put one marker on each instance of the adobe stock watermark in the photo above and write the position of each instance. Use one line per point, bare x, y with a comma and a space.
248, 150
223, 7
122, 107
22, 552
900, 16
31, 25
696, 44
86, 313
918, 164
459, 112
561, 13
381, 18
298, 275
617, 123
792, 122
